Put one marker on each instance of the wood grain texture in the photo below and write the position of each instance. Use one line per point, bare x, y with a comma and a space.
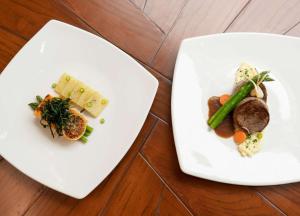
17, 191
25, 18
295, 31
121, 23
139, 3
59, 204
164, 13
142, 193
51, 203
198, 17
286, 197
170, 205
161, 106
275, 16
9, 46
201, 196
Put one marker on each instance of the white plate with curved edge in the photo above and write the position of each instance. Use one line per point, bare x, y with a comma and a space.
72, 168
206, 67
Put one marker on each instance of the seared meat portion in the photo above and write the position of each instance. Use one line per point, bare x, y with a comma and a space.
251, 114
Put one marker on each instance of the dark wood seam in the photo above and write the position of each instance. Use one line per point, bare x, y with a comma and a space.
160, 119
33, 201
157, 208
165, 183
13, 33
100, 35
238, 14
293, 26
146, 1
269, 202
166, 35
102, 211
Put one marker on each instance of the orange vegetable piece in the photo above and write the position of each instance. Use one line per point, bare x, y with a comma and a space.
239, 136
224, 98
37, 113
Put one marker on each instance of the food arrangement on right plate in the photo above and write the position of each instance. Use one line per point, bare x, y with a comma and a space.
244, 113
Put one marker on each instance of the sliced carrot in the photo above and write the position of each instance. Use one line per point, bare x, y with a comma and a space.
239, 136
224, 98
37, 113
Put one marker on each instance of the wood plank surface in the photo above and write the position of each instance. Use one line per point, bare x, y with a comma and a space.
139, 3
9, 46
142, 193
139, 36
198, 17
59, 204
25, 18
17, 191
50, 203
161, 106
286, 197
295, 31
169, 205
164, 13
278, 17
203, 197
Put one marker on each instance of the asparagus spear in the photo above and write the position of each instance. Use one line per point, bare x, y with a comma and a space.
223, 111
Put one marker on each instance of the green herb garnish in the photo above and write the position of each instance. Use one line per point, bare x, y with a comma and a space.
33, 105
102, 121
56, 114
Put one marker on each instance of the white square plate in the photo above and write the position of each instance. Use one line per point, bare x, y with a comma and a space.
71, 168
206, 67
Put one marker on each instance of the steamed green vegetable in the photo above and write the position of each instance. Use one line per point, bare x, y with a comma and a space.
84, 139
223, 111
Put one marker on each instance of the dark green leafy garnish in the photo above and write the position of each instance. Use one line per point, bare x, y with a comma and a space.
33, 105
56, 114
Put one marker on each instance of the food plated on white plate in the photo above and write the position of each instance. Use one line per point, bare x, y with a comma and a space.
243, 114
258, 116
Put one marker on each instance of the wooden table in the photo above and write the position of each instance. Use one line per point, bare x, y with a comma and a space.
148, 180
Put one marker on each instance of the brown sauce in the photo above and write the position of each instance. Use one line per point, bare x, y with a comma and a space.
226, 128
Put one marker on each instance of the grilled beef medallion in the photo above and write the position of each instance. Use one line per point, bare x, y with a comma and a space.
251, 114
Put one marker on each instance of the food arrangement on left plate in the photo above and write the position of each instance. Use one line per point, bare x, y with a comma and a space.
59, 113
244, 114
